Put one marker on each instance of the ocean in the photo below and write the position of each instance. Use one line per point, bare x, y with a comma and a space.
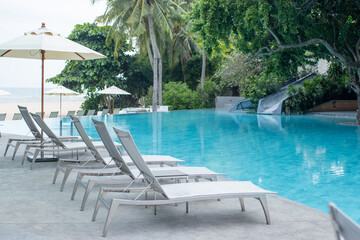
33, 95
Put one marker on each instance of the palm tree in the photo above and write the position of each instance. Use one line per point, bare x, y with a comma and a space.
138, 17
182, 47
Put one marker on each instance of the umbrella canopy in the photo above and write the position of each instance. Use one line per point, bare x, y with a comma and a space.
2, 92
113, 90
61, 91
55, 47
46, 44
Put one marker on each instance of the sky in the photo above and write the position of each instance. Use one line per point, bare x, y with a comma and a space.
20, 16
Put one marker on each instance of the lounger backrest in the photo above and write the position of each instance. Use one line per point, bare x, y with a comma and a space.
111, 148
17, 116
105, 111
47, 130
345, 228
133, 152
53, 114
86, 139
29, 122
90, 112
70, 113
116, 111
80, 113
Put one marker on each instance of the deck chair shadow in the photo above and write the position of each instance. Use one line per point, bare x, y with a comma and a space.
177, 193
35, 139
58, 146
345, 228
119, 159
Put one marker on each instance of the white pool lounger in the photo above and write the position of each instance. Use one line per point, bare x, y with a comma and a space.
177, 193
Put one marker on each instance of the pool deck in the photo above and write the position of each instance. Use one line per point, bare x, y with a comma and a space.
31, 207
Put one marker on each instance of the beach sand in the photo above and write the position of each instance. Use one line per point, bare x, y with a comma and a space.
11, 108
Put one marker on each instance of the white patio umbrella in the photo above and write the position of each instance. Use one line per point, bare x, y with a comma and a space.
61, 91
3, 92
113, 90
45, 44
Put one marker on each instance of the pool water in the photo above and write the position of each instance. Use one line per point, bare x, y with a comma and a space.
309, 159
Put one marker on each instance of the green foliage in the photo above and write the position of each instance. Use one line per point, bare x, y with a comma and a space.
319, 90
206, 96
130, 73
289, 33
178, 96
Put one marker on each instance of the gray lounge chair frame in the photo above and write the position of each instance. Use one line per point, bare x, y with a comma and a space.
118, 158
176, 193
105, 111
80, 113
36, 139
53, 114
70, 113
58, 146
17, 116
345, 228
100, 163
2, 116
116, 111
90, 112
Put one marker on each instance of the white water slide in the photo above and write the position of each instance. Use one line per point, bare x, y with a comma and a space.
272, 104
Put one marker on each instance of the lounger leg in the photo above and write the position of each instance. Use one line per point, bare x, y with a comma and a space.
97, 206
7, 146
25, 154
56, 174
66, 175
242, 204
154, 205
37, 151
265, 208
15, 150
113, 207
76, 185
187, 207
89, 187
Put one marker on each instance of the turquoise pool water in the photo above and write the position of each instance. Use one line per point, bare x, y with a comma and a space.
309, 159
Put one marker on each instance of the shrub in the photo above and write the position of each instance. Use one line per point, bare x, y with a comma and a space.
178, 96
320, 89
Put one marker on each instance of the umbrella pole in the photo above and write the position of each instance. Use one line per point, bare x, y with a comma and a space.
60, 104
42, 88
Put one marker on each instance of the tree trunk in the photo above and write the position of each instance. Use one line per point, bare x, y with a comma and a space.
355, 85
107, 101
182, 69
155, 63
150, 54
160, 79
203, 68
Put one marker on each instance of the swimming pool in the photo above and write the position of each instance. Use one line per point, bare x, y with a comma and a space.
309, 159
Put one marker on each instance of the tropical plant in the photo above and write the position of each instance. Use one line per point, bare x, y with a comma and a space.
334, 86
146, 19
323, 29
89, 76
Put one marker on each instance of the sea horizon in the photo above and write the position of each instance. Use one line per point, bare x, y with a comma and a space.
33, 95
